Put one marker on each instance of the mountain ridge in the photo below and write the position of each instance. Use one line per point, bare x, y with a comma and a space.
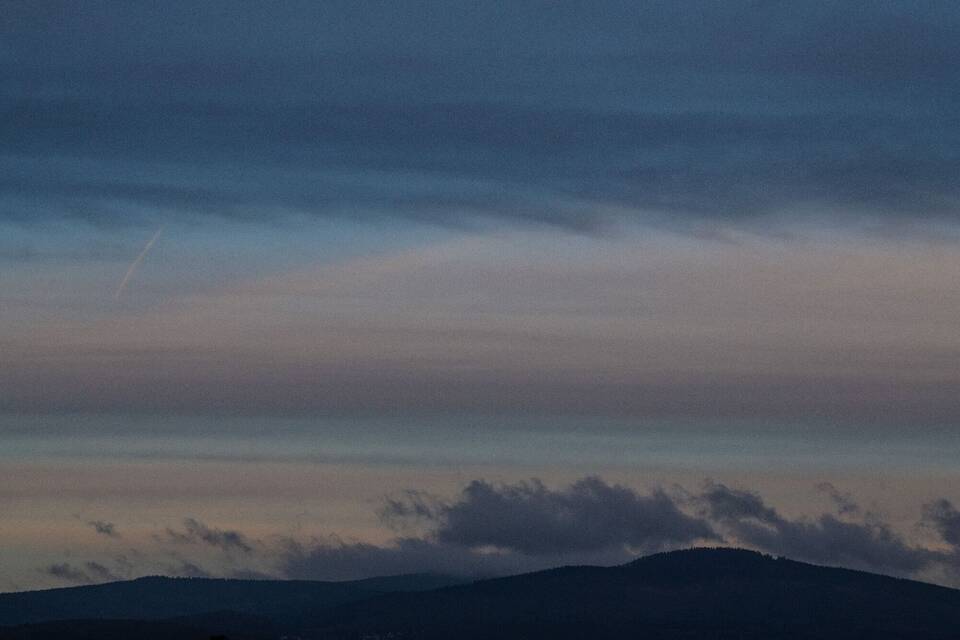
160, 597
694, 593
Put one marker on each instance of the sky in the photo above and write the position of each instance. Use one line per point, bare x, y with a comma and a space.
341, 289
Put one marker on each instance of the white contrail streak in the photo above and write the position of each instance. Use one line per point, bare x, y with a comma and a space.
136, 263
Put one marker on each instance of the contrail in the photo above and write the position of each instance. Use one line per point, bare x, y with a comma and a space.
136, 263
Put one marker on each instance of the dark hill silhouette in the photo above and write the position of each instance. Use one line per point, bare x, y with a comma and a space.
154, 598
693, 594
228, 625
701, 593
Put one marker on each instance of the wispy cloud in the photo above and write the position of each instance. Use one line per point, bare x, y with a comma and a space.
89, 572
104, 528
865, 544
196, 532
132, 269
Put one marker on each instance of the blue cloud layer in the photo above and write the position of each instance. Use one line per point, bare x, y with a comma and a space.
519, 111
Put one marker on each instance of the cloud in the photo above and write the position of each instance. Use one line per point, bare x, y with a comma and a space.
945, 519
500, 529
730, 505
495, 529
99, 572
499, 163
91, 572
517, 111
410, 508
589, 515
843, 500
869, 544
66, 571
196, 532
104, 528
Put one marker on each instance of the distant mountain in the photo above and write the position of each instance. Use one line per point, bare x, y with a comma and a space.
156, 598
700, 593
694, 594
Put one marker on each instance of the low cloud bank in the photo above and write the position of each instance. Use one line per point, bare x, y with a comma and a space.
497, 529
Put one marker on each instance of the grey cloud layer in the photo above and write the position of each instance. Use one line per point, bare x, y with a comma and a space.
542, 323
523, 111
495, 529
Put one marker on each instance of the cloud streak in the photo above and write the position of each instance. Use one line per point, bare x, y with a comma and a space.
136, 263
90, 572
104, 528
196, 532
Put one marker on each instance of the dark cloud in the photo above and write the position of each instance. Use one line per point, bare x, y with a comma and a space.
729, 505
409, 509
496, 529
196, 532
99, 572
522, 111
590, 515
945, 519
531, 526
66, 571
490, 530
90, 572
104, 528
452, 164
869, 544
844, 502
123, 567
